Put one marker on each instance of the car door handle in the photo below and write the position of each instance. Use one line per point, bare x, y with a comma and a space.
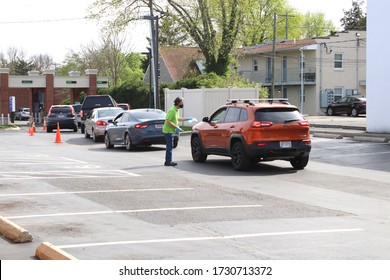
232, 126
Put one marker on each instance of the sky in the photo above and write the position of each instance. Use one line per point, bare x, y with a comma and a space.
56, 27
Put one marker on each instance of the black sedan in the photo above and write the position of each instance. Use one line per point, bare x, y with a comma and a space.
352, 106
137, 127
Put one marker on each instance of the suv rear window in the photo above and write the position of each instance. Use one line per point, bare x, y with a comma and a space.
61, 110
97, 101
278, 115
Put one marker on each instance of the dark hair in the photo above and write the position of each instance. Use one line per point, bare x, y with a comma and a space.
177, 100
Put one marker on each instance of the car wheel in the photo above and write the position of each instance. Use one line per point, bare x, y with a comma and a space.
354, 112
86, 135
75, 129
329, 112
129, 146
49, 129
299, 162
107, 141
240, 159
82, 129
94, 137
197, 150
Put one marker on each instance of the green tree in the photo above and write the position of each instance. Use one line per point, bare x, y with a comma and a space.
22, 67
213, 25
315, 25
354, 18
171, 33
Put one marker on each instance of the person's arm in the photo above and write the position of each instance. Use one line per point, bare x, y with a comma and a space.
171, 124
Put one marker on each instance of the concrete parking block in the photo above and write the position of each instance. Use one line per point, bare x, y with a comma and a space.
47, 251
371, 139
14, 232
328, 135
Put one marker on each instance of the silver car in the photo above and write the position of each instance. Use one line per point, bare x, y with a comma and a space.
97, 120
22, 114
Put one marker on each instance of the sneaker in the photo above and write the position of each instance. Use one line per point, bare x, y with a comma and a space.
170, 164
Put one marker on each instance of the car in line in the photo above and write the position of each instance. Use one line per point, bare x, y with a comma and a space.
62, 115
137, 127
124, 106
22, 114
250, 132
352, 106
77, 108
91, 102
98, 119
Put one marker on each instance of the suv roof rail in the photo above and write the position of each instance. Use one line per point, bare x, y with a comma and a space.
251, 101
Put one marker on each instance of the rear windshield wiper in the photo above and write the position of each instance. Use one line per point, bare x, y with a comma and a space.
291, 120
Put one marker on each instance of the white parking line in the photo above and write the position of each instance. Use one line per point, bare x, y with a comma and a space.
132, 211
99, 191
61, 174
206, 238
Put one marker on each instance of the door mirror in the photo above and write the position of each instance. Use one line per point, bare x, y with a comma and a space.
205, 119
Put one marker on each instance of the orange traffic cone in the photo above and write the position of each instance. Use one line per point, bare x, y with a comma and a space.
44, 125
30, 131
33, 127
58, 135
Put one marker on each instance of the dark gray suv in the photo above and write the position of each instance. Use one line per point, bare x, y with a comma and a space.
91, 102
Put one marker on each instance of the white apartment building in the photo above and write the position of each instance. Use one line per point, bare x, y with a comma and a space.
332, 67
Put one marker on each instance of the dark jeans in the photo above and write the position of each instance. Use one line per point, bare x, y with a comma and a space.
169, 148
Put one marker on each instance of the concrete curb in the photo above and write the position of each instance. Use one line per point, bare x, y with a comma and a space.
371, 139
328, 135
47, 251
14, 232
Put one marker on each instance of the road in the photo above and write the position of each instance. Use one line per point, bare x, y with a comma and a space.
100, 204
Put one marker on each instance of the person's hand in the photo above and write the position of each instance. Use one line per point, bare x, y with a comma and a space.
178, 130
190, 120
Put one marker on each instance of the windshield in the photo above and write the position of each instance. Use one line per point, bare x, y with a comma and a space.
278, 115
148, 114
108, 113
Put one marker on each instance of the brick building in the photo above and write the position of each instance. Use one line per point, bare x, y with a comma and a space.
39, 92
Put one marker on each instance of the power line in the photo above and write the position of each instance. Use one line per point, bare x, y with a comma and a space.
42, 20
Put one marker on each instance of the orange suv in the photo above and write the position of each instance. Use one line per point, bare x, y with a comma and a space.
251, 132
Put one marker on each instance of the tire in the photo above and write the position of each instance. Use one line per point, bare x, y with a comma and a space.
240, 159
299, 163
175, 143
107, 142
49, 129
86, 135
329, 112
75, 129
94, 137
354, 112
197, 150
129, 146
82, 129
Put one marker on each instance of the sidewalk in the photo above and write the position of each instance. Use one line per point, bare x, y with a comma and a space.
337, 127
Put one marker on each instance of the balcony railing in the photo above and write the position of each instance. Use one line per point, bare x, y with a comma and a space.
290, 76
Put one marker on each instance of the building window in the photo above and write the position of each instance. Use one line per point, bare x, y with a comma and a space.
338, 93
338, 61
284, 67
255, 65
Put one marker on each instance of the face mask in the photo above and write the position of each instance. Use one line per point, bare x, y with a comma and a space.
181, 105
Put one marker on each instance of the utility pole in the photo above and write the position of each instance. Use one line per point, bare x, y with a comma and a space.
273, 61
155, 56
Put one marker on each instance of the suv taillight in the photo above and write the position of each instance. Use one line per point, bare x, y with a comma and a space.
257, 124
304, 123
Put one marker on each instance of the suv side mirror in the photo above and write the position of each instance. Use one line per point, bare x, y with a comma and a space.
205, 119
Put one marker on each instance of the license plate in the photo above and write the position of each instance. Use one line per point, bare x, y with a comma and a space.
160, 125
60, 116
285, 144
